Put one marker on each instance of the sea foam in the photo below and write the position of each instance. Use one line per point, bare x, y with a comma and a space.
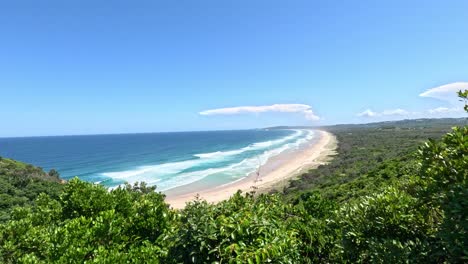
251, 147
174, 174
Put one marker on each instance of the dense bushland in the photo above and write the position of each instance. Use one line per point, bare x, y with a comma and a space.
419, 218
21, 183
381, 200
369, 156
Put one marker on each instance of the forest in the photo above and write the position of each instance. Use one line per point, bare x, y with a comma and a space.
395, 192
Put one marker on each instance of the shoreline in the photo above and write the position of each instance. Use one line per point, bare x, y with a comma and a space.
277, 172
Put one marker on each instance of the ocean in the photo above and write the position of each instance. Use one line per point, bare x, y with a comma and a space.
167, 160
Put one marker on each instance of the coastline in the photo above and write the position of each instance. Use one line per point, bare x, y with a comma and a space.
277, 172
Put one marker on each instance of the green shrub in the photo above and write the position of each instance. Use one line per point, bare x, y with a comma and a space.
90, 224
242, 229
444, 168
385, 228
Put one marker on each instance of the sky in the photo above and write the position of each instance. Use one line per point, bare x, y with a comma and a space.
96, 67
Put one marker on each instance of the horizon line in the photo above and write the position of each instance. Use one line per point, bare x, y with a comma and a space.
219, 130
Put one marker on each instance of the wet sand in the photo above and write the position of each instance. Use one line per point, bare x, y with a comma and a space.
274, 174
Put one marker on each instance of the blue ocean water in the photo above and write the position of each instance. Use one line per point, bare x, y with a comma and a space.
167, 160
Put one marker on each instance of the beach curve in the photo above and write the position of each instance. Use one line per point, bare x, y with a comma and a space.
277, 172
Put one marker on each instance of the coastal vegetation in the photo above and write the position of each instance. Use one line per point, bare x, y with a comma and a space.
369, 157
396, 192
20, 185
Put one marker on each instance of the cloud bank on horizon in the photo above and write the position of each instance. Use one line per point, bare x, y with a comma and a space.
445, 93
392, 112
305, 110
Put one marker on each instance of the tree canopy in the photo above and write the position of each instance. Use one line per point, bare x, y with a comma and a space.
383, 199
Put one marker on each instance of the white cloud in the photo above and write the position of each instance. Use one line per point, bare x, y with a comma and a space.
445, 110
306, 110
436, 112
392, 112
446, 92
395, 112
367, 113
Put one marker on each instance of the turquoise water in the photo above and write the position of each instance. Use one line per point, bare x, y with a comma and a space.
167, 160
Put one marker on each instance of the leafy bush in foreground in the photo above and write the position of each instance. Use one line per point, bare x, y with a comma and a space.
240, 230
385, 228
416, 216
444, 169
88, 223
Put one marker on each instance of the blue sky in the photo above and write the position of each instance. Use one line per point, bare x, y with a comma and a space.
88, 67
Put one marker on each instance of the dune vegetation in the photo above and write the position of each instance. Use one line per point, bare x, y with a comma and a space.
396, 192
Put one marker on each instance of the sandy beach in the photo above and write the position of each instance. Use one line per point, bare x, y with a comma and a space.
275, 173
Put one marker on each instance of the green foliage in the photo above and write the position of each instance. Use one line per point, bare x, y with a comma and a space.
54, 173
385, 228
381, 200
20, 185
242, 229
464, 97
89, 224
369, 157
444, 168
317, 227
